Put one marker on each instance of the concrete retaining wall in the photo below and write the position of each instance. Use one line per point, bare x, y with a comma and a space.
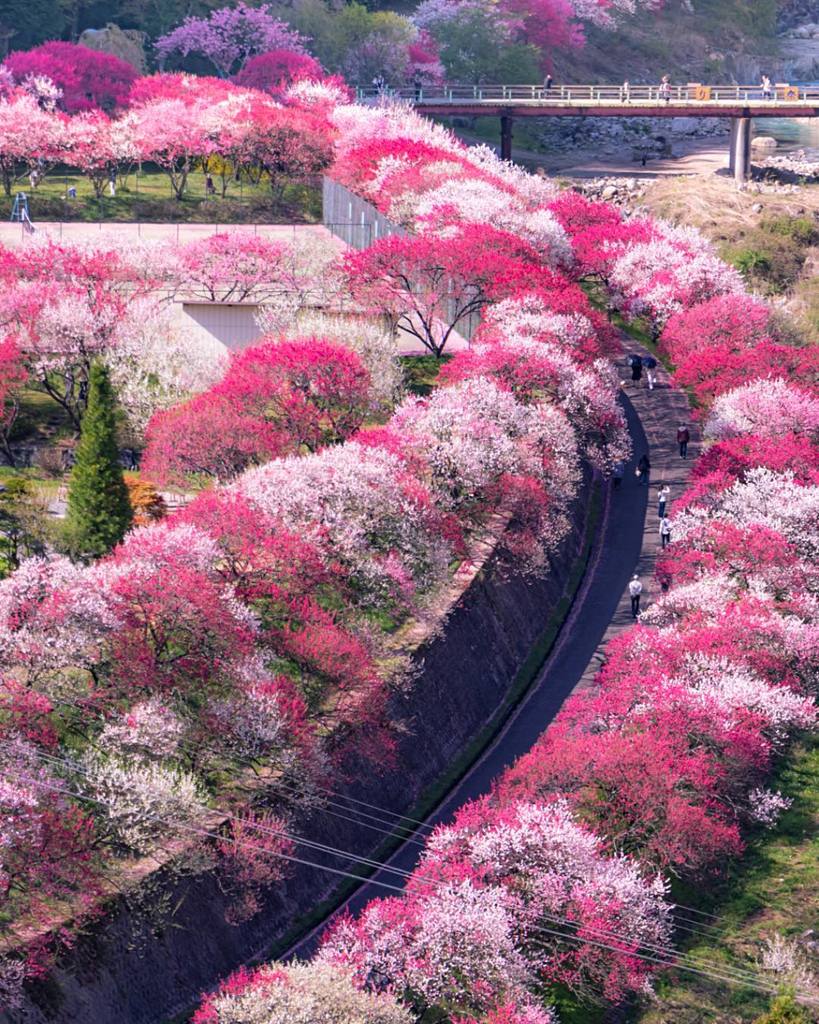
127, 969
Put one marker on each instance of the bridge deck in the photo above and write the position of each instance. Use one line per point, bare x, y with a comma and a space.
604, 101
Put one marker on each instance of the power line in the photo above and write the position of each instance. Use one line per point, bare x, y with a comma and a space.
735, 975
682, 923
664, 962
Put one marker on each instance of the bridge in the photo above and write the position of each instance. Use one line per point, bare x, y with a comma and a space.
738, 103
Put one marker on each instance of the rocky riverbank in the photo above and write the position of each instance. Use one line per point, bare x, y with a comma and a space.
637, 137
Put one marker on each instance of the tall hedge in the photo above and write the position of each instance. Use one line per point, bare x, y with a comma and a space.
99, 512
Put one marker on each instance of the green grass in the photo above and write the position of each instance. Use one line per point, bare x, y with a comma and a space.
772, 889
421, 373
147, 196
40, 418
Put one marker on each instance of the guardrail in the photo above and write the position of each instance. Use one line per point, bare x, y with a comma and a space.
693, 92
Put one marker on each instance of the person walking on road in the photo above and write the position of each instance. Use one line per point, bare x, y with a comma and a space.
650, 363
683, 437
643, 471
636, 364
665, 532
617, 474
635, 588
662, 499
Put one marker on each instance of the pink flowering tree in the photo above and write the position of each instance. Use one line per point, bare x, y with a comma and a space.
65, 305
429, 285
172, 134
449, 946
236, 267
555, 870
766, 408
13, 377
229, 37
98, 147
280, 993
28, 134
378, 519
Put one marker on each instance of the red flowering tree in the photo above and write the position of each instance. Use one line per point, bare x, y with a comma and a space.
644, 785
277, 398
429, 285
274, 70
87, 78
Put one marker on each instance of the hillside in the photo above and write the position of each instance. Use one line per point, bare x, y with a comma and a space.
706, 40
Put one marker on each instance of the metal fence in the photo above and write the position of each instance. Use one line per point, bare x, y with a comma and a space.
12, 231
693, 92
353, 219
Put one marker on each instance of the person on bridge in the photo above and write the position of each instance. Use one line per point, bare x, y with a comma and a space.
625, 92
635, 588
683, 437
664, 91
417, 84
665, 532
547, 85
767, 88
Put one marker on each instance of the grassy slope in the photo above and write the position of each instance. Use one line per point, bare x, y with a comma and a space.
732, 219
773, 889
148, 197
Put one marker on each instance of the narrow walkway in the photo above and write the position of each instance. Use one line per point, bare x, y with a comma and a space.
629, 538
660, 411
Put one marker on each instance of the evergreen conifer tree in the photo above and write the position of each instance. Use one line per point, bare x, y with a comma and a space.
99, 512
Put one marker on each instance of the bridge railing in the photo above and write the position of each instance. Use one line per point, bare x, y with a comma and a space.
590, 94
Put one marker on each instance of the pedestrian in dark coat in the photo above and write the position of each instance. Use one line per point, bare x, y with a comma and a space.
683, 437
643, 470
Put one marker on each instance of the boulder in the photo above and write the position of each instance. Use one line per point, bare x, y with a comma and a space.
127, 44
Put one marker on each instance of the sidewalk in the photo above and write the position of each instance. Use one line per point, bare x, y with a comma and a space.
660, 411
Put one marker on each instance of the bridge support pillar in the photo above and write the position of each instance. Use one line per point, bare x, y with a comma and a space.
506, 138
739, 162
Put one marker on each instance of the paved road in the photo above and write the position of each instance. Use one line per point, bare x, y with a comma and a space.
627, 542
71, 231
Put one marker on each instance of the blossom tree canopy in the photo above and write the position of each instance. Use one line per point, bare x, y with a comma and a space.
273, 70
87, 78
230, 36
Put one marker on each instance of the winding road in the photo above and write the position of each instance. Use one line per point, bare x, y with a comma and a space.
626, 543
